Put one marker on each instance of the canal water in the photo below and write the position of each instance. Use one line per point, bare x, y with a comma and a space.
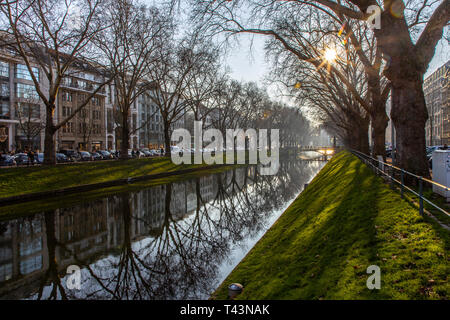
174, 241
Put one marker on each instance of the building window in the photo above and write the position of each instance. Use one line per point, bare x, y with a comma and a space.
4, 90
4, 110
68, 127
95, 101
66, 111
29, 265
4, 69
26, 91
23, 73
95, 114
67, 96
82, 84
30, 247
28, 110
5, 272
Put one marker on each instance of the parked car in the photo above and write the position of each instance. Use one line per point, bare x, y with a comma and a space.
114, 154
430, 150
7, 160
174, 149
96, 156
62, 158
389, 152
71, 154
85, 156
129, 154
139, 154
40, 158
22, 159
105, 155
146, 153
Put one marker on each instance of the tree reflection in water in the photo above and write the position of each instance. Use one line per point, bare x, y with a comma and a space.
164, 242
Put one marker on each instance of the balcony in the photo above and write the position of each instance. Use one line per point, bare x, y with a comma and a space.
89, 87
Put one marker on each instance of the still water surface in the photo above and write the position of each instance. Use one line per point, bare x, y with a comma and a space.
174, 241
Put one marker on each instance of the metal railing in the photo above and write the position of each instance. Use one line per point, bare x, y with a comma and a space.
397, 176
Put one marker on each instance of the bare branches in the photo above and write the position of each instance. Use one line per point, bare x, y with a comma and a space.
132, 47
425, 46
55, 35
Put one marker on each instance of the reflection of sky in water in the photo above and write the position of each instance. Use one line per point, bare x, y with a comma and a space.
182, 251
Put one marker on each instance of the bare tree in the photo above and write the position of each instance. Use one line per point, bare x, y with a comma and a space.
85, 125
178, 65
205, 81
308, 35
226, 101
54, 35
132, 46
325, 98
27, 109
406, 38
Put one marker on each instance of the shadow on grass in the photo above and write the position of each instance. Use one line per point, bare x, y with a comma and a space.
346, 220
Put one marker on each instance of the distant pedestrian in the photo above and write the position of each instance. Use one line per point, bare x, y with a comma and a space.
30, 157
162, 151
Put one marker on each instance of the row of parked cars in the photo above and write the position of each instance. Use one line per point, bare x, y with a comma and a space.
19, 159
66, 156
73, 155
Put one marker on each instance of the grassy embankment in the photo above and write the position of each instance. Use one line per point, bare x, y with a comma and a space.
346, 220
52, 203
26, 180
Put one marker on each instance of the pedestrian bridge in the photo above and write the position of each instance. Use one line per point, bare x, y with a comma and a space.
326, 151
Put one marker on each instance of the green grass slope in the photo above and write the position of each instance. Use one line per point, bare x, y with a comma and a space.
51, 203
24, 180
346, 220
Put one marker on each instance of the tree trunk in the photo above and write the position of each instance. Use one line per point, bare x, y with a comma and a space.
358, 135
409, 115
167, 139
125, 137
378, 116
49, 142
379, 125
363, 135
29, 143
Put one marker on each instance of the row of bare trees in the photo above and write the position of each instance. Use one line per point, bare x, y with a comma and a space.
244, 105
371, 63
130, 47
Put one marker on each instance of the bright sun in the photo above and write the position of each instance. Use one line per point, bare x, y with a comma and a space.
330, 55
